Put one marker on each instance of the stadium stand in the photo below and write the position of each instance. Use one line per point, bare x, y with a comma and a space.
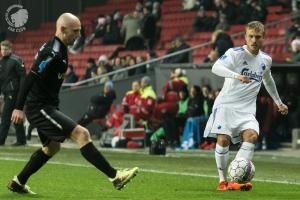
173, 21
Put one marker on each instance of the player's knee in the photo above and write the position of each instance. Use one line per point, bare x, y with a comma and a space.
250, 136
223, 140
81, 135
85, 135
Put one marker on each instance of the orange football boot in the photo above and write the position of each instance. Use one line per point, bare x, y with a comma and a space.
239, 186
222, 186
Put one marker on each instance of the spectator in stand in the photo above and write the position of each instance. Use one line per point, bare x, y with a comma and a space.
118, 64
221, 42
178, 44
189, 5
204, 23
112, 30
131, 61
156, 10
141, 69
244, 12
295, 5
70, 76
170, 124
181, 115
103, 62
149, 56
102, 68
101, 71
91, 67
295, 27
191, 132
147, 101
98, 29
131, 29
149, 27
252, 10
228, 8
259, 11
99, 105
295, 48
206, 4
166, 109
178, 80
223, 23
208, 101
129, 106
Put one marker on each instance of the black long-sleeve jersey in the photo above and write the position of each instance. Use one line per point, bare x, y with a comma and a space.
42, 85
12, 73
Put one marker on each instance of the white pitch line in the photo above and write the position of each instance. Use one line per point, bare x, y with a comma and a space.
153, 171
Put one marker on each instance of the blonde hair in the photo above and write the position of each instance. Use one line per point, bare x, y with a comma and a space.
256, 25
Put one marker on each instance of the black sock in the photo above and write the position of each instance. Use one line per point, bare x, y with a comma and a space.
91, 154
37, 160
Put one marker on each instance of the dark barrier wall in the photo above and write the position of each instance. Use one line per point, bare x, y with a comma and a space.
74, 102
40, 11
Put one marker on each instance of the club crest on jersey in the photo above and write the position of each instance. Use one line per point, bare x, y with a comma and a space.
263, 66
252, 75
223, 57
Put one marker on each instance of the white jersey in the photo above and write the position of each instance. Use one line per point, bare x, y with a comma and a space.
241, 96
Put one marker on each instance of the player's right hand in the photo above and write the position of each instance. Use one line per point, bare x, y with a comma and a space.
17, 116
244, 79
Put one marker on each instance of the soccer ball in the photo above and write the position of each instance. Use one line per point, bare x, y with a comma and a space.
241, 170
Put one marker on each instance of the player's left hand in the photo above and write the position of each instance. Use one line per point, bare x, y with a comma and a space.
283, 109
17, 116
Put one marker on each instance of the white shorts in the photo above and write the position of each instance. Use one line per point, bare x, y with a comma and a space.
230, 122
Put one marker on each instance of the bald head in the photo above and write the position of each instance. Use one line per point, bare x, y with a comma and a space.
68, 28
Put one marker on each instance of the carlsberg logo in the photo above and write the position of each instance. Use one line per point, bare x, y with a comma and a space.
251, 75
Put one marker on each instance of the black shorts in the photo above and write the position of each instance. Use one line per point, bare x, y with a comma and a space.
51, 124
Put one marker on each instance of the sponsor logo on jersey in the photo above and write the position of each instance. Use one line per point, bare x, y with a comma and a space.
252, 75
60, 75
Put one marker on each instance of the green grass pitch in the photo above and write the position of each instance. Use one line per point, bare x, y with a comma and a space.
177, 176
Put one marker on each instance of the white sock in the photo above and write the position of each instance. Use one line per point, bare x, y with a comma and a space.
246, 151
222, 157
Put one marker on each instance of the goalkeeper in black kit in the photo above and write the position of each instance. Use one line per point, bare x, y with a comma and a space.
40, 91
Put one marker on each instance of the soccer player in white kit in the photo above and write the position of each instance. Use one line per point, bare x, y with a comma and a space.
233, 117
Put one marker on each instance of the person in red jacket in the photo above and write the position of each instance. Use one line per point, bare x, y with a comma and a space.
177, 81
147, 100
129, 105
